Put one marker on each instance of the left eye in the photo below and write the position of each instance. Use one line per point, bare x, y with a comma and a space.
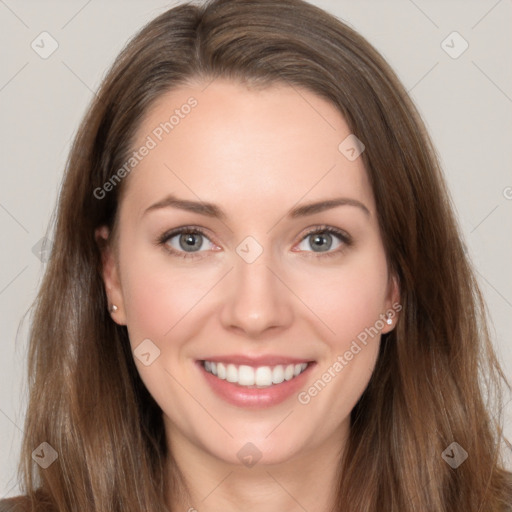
323, 240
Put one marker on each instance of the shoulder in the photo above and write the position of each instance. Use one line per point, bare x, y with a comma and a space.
8, 506
508, 492
17, 504
38, 502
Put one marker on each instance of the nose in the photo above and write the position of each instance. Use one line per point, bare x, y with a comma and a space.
257, 298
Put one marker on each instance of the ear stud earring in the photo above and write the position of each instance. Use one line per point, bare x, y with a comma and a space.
113, 308
389, 321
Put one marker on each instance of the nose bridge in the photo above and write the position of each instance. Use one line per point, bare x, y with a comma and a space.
257, 300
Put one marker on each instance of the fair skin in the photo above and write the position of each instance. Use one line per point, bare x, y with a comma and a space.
256, 154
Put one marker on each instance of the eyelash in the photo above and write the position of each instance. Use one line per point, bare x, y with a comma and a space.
163, 239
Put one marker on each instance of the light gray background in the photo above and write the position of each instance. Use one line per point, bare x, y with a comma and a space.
466, 104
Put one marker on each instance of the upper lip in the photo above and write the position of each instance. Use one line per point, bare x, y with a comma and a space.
263, 360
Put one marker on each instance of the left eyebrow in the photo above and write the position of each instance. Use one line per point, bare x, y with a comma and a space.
312, 208
214, 211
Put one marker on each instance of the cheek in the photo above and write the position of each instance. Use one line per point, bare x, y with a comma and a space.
350, 305
350, 298
160, 298
159, 293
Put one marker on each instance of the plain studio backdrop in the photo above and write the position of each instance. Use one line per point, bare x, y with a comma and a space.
453, 58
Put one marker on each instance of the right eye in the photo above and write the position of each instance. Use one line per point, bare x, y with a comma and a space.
185, 242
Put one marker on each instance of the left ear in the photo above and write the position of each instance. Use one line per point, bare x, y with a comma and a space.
110, 274
393, 305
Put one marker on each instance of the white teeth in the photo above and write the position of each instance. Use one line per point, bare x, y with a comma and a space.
278, 374
245, 375
261, 376
288, 372
231, 373
221, 371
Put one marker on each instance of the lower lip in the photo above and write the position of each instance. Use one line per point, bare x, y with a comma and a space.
257, 398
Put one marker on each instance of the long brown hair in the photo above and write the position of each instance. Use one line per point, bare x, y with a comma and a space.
436, 376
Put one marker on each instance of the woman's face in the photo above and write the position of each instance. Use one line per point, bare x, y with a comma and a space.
259, 286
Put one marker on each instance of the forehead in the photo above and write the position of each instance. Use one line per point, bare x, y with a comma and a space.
224, 142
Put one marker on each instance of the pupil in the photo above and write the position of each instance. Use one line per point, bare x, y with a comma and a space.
188, 240
321, 238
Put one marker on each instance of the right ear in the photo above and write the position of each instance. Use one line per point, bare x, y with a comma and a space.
110, 274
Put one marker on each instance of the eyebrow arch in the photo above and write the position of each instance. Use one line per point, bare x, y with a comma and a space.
214, 211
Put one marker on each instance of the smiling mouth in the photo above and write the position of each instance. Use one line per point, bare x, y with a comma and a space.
254, 377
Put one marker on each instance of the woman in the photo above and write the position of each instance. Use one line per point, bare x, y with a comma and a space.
258, 295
